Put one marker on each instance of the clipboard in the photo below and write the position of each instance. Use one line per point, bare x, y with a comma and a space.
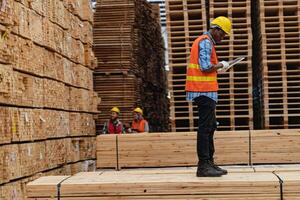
233, 62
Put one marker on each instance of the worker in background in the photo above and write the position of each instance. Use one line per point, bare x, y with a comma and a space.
114, 125
139, 124
202, 88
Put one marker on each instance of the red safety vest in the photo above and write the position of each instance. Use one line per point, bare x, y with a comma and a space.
139, 126
196, 80
114, 129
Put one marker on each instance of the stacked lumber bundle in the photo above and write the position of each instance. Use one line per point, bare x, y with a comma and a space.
234, 108
130, 54
47, 102
178, 183
152, 150
179, 149
280, 47
275, 146
186, 20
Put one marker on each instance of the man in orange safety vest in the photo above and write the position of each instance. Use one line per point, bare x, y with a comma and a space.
202, 87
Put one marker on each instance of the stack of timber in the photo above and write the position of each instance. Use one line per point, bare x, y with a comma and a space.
173, 183
235, 106
186, 20
130, 53
281, 63
179, 149
47, 102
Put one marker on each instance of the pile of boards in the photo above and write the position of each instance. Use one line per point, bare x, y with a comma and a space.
47, 102
242, 182
179, 149
130, 55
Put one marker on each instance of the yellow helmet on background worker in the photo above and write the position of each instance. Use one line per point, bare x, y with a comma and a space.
223, 23
138, 110
115, 109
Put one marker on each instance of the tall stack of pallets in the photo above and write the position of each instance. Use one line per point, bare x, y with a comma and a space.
235, 107
187, 20
130, 53
47, 102
280, 31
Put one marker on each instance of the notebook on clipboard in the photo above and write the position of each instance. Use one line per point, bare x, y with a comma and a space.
232, 62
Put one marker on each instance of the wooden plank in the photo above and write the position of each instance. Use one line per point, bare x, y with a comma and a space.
277, 168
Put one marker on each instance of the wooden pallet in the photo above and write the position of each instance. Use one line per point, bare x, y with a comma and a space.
172, 183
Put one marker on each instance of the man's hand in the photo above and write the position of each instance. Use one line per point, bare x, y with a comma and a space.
225, 66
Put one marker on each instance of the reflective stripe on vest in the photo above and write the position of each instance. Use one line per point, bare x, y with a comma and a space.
201, 78
196, 80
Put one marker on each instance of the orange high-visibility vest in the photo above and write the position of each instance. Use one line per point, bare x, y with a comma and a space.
196, 80
139, 126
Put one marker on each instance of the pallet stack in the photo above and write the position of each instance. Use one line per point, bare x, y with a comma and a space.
235, 107
281, 61
47, 102
130, 53
186, 20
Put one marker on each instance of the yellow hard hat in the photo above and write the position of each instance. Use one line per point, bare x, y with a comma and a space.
138, 110
115, 109
223, 23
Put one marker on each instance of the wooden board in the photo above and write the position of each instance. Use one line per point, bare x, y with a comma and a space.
277, 168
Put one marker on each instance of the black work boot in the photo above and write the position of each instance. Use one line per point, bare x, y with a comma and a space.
224, 171
205, 169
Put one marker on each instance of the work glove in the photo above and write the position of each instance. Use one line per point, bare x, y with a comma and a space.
225, 66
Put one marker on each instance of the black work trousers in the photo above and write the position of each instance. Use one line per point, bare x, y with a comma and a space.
206, 128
